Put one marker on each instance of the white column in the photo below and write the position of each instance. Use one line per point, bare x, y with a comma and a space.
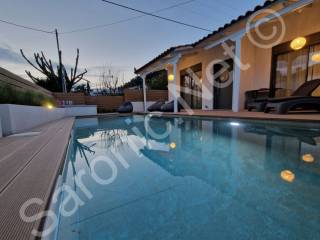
144, 92
175, 93
236, 76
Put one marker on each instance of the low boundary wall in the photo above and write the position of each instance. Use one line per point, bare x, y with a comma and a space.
19, 118
111, 103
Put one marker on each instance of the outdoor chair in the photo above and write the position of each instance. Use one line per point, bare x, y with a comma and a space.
300, 99
257, 99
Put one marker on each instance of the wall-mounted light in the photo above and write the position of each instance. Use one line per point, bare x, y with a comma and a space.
49, 106
298, 43
316, 57
170, 77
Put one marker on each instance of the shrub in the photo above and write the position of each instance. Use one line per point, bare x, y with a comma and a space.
10, 95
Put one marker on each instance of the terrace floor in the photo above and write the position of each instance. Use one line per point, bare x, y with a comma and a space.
254, 115
29, 166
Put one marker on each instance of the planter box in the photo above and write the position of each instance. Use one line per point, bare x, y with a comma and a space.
19, 118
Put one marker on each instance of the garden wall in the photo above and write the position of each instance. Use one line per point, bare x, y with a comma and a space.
75, 98
152, 95
111, 103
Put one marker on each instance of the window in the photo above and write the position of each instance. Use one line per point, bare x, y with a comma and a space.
292, 68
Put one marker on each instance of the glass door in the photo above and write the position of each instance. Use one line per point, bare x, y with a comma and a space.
294, 68
191, 86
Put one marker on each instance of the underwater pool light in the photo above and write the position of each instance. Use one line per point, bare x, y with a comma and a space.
173, 145
287, 176
308, 158
235, 124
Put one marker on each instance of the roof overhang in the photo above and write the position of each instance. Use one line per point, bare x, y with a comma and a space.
288, 6
164, 59
223, 34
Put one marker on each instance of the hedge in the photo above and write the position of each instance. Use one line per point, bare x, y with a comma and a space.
10, 95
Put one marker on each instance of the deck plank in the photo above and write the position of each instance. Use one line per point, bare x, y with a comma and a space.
14, 140
12, 145
15, 161
5, 141
35, 180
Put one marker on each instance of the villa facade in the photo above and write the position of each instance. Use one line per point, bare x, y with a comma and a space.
275, 46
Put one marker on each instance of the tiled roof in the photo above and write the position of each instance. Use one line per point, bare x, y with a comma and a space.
168, 51
234, 21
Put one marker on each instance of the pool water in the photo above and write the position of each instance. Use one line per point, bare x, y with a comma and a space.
191, 179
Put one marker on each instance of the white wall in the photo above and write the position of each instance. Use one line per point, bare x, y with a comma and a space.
19, 118
85, 110
0, 129
138, 106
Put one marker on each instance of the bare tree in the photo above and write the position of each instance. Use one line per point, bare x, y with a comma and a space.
109, 82
53, 79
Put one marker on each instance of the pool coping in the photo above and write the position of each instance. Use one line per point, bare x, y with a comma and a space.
274, 118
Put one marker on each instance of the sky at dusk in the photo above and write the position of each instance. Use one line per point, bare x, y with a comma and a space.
121, 46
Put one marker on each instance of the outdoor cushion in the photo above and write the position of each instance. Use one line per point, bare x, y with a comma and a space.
126, 107
156, 106
168, 107
294, 103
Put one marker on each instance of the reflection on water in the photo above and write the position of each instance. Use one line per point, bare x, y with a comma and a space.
206, 179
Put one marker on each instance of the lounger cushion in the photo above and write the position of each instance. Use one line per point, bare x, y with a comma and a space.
284, 99
293, 103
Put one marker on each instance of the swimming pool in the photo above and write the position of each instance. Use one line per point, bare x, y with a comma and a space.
191, 178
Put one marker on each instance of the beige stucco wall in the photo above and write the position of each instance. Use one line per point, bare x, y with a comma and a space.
205, 57
299, 23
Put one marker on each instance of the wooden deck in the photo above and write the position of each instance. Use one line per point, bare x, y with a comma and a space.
29, 167
314, 117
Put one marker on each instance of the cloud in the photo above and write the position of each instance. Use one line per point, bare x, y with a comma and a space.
9, 55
